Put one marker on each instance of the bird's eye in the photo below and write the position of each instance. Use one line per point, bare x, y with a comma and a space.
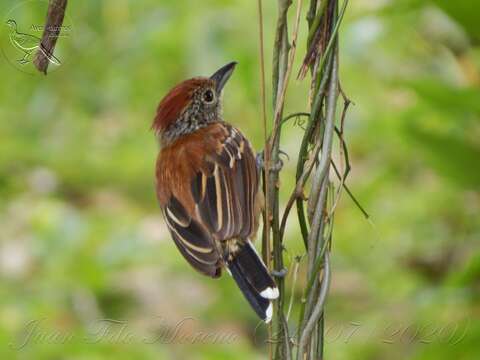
208, 96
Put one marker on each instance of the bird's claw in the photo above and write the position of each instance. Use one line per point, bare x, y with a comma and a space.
277, 166
281, 152
260, 159
280, 273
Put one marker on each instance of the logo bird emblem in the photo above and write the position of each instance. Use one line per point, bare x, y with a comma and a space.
28, 44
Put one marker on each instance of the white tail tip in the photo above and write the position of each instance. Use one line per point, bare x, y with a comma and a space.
268, 313
270, 293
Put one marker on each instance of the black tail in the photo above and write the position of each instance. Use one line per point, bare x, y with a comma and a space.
252, 277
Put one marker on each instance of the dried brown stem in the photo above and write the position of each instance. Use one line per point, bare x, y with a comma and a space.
53, 25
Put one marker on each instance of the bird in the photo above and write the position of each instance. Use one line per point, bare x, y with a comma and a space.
28, 44
207, 186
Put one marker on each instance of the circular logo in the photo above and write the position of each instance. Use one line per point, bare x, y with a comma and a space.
22, 29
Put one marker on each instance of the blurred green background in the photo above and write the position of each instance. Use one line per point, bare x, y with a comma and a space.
81, 236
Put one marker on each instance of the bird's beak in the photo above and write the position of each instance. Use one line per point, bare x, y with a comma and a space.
222, 75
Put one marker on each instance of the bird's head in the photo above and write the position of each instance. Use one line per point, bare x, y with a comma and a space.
191, 105
12, 23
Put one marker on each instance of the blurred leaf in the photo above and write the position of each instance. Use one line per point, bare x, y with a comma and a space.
470, 274
450, 156
465, 12
445, 97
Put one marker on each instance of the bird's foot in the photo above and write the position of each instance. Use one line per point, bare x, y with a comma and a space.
260, 160
277, 166
280, 273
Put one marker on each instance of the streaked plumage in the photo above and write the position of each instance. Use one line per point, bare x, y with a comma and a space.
207, 187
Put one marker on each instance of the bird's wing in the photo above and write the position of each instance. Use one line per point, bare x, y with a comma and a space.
193, 241
226, 188
207, 185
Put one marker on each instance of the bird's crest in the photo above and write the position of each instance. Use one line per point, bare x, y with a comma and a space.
175, 102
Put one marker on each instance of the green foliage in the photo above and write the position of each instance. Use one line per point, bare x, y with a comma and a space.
462, 11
